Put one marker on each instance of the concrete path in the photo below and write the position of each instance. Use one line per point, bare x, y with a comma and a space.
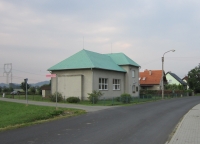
188, 131
75, 106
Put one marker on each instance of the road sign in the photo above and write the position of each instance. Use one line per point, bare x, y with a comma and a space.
51, 75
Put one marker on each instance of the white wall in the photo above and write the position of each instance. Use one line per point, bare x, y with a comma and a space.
84, 84
110, 75
172, 79
81, 82
131, 81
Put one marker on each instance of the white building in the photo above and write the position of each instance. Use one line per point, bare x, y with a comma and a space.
85, 71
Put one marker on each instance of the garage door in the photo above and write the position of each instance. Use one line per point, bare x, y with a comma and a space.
70, 86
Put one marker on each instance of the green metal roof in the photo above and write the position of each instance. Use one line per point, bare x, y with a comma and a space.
87, 59
122, 59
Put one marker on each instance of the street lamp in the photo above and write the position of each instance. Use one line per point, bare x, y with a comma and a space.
163, 72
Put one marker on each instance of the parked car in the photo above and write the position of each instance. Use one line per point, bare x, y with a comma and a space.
15, 92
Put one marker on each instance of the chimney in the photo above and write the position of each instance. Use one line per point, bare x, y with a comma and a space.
150, 72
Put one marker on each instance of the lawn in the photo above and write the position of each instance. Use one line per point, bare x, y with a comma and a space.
30, 97
13, 115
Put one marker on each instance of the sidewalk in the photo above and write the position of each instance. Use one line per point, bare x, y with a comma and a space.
188, 131
75, 106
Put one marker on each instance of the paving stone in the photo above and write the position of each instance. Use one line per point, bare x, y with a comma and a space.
188, 131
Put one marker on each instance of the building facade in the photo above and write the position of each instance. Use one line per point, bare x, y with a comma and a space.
85, 71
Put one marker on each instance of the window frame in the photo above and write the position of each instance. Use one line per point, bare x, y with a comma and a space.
133, 73
116, 84
103, 83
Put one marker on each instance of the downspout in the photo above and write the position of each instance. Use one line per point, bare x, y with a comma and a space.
124, 81
92, 79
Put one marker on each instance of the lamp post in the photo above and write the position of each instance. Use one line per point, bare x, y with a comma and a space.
163, 72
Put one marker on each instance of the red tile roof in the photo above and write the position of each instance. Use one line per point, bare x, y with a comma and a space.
152, 77
185, 78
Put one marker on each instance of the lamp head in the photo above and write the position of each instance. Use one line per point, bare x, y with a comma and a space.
173, 50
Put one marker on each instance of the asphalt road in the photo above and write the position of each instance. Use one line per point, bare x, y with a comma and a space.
149, 123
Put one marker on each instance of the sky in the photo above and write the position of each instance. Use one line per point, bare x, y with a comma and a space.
37, 34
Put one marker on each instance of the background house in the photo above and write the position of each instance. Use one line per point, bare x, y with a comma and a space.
172, 78
85, 71
185, 79
151, 80
46, 90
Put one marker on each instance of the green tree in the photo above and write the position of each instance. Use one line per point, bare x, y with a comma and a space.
194, 79
33, 89
10, 89
174, 87
94, 96
0, 89
5, 89
23, 86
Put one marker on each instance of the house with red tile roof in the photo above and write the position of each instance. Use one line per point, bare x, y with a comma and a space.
151, 80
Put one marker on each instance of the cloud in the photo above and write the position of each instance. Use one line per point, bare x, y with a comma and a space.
45, 32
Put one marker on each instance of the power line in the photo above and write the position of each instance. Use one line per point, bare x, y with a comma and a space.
28, 72
22, 78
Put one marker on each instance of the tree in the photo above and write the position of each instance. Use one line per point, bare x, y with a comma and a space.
23, 86
10, 89
33, 90
194, 79
5, 89
174, 87
94, 96
0, 89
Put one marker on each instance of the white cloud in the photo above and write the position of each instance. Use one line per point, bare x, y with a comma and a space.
46, 32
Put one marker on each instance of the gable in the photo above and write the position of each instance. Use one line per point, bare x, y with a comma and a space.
175, 79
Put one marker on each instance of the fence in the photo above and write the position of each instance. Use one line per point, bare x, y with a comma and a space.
145, 97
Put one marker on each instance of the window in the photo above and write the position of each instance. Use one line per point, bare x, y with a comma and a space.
116, 84
103, 84
133, 73
136, 89
133, 88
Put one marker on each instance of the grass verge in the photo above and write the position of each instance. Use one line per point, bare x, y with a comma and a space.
15, 115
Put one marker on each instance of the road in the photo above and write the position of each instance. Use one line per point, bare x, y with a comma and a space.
149, 123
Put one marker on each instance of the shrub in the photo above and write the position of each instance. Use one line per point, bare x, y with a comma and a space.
94, 96
146, 96
73, 100
53, 97
125, 98
118, 99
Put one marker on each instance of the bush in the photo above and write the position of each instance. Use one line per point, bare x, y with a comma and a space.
53, 97
118, 99
125, 98
146, 96
94, 96
73, 100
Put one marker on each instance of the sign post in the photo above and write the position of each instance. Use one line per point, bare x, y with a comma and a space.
54, 76
25, 81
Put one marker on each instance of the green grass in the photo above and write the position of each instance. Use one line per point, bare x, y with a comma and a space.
30, 97
14, 115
